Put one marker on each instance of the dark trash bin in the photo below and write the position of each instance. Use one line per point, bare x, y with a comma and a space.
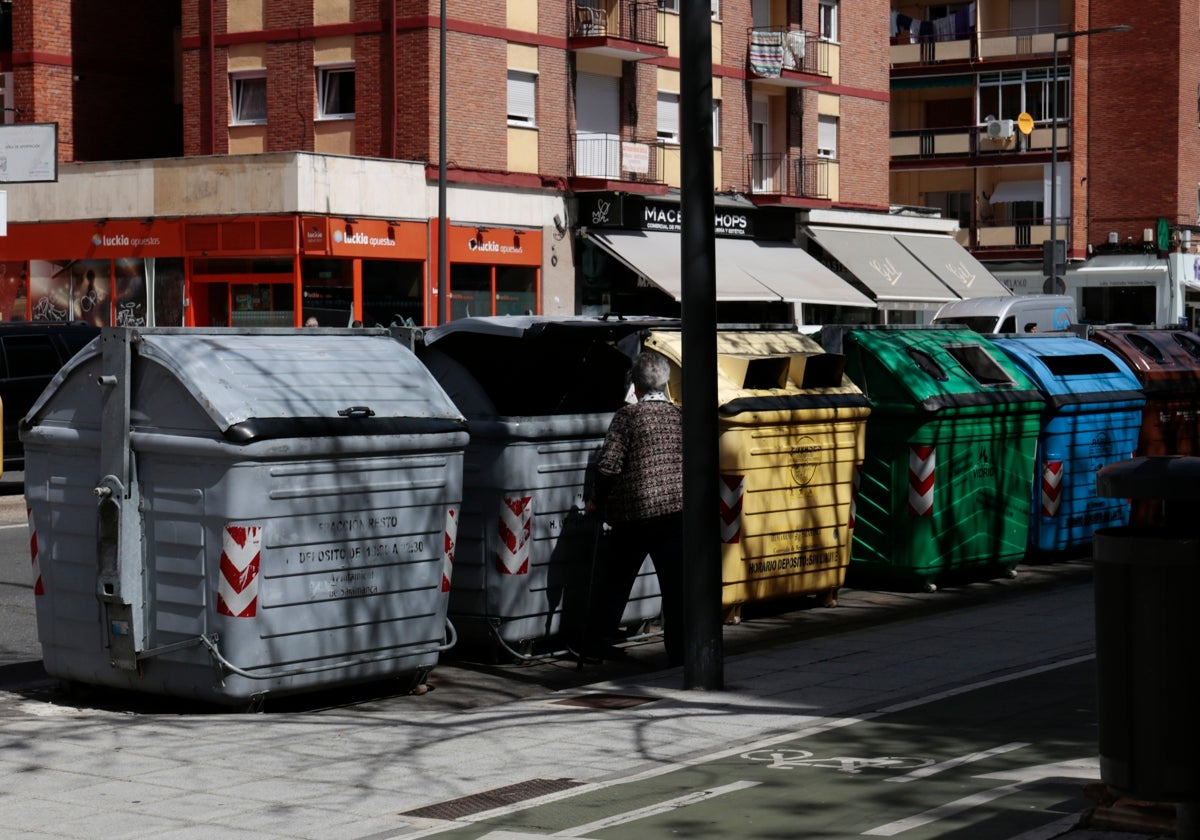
1148, 635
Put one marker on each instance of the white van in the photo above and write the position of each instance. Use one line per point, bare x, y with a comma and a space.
1010, 313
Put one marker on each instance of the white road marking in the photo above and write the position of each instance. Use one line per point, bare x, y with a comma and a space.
934, 769
629, 816
20, 525
1024, 778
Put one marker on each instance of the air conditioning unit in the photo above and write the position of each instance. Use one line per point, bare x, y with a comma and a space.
1000, 129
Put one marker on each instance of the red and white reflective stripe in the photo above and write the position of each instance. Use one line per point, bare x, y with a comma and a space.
516, 530
237, 587
855, 481
448, 549
38, 588
733, 491
921, 463
1052, 475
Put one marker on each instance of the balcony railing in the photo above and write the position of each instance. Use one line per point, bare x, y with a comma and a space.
959, 45
627, 20
972, 141
790, 175
774, 51
608, 157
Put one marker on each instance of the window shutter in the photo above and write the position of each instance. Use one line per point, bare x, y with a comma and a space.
522, 96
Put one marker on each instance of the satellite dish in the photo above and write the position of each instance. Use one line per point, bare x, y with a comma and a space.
1025, 123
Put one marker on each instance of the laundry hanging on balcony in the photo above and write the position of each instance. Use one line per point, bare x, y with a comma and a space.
793, 50
766, 53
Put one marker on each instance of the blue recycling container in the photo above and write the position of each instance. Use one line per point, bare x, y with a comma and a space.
1092, 417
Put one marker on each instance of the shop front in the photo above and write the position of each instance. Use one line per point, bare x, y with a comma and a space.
493, 271
264, 271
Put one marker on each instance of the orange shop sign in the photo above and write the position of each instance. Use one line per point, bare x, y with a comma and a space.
498, 246
371, 238
110, 239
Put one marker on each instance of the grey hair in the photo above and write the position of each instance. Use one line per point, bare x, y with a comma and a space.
650, 372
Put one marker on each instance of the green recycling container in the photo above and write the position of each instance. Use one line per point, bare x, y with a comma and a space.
947, 476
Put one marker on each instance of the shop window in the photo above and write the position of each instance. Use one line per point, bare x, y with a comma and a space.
262, 305
335, 92
516, 291
129, 302
470, 290
392, 293
327, 291
168, 291
248, 99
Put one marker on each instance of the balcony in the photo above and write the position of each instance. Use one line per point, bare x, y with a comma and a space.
624, 29
601, 159
964, 45
777, 177
782, 56
976, 141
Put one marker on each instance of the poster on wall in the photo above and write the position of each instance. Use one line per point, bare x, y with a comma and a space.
71, 290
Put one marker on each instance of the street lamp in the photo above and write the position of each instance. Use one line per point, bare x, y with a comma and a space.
1052, 259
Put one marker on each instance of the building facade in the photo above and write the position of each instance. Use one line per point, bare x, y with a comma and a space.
257, 162
1027, 121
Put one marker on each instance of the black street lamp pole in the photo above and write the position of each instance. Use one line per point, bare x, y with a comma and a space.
1053, 259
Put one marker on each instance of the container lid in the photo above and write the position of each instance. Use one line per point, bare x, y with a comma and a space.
268, 383
1160, 358
536, 365
768, 370
1072, 370
935, 369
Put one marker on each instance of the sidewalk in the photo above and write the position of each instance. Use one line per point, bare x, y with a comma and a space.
86, 773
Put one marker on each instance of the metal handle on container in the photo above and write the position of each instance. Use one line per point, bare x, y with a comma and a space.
357, 411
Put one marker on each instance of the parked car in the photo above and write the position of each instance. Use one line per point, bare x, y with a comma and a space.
31, 352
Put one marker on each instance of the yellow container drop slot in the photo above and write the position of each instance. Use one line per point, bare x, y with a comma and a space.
791, 441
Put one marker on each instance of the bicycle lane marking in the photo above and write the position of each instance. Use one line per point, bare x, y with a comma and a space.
818, 727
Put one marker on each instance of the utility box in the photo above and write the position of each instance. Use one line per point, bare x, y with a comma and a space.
225, 514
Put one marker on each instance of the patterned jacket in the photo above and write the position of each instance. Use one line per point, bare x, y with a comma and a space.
641, 462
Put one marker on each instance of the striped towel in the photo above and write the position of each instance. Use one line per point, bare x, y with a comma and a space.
766, 53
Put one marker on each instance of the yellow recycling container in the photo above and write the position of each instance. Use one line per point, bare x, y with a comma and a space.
791, 441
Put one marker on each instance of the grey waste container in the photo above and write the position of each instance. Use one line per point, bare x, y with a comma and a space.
539, 393
224, 514
1148, 635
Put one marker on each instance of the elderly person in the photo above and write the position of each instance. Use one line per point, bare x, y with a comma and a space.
639, 488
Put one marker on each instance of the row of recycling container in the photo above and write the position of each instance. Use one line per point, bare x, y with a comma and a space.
221, 515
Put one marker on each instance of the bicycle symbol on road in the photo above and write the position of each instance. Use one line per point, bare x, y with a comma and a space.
788, 759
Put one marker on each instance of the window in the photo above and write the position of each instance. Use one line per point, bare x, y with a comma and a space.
522, 98
248, 99
827, 20
827, 136
1006, 95
668, 117
716, 122
669, 5
335, 92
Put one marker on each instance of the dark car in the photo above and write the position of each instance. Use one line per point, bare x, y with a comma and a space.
30, 354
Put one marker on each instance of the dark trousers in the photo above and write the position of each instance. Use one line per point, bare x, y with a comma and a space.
662, 539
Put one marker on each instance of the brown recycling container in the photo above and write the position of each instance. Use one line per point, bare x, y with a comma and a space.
1167, 363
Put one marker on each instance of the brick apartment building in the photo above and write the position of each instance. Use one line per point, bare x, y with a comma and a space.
983, 131
255, 162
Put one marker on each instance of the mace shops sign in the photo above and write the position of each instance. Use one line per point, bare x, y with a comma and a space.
638, 213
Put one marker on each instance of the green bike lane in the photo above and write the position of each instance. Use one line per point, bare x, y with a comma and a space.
986, 763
